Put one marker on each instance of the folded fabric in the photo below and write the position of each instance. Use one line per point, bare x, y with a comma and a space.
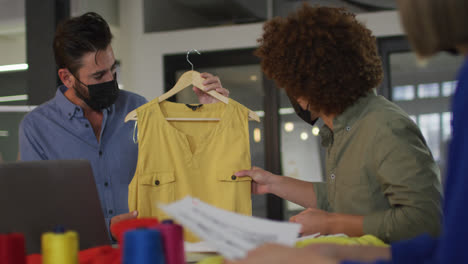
121, 227
97, 255
368, 240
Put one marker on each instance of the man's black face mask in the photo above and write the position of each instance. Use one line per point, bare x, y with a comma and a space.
101, 95
303, 114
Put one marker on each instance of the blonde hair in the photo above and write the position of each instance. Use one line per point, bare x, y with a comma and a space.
434, 25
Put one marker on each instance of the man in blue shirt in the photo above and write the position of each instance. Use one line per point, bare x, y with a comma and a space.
85, 119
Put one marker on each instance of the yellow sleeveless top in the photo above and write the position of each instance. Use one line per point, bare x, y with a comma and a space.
197, 158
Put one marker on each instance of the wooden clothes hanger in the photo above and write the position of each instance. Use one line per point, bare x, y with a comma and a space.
191, 78
187, 79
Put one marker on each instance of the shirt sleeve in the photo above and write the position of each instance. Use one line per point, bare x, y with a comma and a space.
320, 189
409, 178
415, 250
29, 148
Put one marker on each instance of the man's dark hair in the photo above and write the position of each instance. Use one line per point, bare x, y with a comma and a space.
77, 36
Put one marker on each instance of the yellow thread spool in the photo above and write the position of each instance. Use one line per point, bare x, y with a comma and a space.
60, 248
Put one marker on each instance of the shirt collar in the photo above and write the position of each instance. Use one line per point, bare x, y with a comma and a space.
69, 109
346, 119
326, 136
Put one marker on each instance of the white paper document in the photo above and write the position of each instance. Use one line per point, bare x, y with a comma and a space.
231, 234
199, 247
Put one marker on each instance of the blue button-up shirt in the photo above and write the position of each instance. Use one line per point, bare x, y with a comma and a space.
58, 129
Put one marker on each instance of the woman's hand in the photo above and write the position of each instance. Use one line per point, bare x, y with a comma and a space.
262, 180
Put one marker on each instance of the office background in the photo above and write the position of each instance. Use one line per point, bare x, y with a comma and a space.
151, 38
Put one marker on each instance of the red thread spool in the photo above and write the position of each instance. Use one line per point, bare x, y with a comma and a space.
173, 239
12, 250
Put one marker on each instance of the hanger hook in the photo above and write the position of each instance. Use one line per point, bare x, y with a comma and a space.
188, 55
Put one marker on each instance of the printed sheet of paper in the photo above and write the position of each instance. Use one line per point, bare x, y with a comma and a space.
233, 235
199, 247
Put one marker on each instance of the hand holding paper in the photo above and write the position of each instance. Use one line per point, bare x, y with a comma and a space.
233, 235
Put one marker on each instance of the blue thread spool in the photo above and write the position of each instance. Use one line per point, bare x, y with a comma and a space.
143, 246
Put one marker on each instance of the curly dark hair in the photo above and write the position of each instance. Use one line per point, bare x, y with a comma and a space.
322, 54
79, 35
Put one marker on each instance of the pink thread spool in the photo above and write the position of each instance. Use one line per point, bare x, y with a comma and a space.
173, 239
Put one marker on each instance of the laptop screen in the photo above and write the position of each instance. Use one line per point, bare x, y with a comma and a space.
37, 196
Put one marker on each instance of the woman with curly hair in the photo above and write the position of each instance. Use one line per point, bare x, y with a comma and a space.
381, 178
432, 26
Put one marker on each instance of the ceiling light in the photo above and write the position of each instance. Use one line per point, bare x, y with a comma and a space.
286, 111
289, 126
14, 98
257, 135
14, 67
315, 131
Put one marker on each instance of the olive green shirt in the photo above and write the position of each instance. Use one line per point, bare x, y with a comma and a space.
378, 165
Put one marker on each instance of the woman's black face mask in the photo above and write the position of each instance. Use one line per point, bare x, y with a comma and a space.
303, 114
101, 95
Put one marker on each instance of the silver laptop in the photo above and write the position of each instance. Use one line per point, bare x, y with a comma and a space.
37, 196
